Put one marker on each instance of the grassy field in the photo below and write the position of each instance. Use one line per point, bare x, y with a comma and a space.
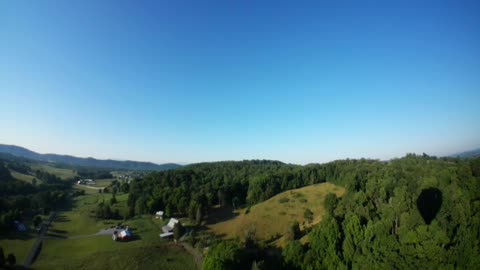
74, 247
102, 253
80, 220
103, 182
272, 217
17, 243
23, 177
62, 173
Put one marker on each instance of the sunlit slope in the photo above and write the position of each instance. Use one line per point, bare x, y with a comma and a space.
272, 217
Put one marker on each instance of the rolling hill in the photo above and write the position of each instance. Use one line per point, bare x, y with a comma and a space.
87, 162
468, 154
272, 217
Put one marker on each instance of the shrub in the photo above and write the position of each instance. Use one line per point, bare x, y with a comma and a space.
284, 200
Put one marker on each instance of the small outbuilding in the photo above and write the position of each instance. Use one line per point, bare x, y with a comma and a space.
170, 225
159, 215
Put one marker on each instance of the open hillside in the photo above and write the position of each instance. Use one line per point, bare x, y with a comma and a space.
272, 217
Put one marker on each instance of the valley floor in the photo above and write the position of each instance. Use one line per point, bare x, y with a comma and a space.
77, 240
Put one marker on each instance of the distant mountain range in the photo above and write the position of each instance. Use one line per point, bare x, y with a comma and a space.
87, 162
468, 154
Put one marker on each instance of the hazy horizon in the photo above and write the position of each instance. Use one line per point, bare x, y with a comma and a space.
188, 163
186, 83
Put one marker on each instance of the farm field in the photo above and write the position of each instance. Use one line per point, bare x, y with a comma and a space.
103, 182
23, 177
272, 217
60, 172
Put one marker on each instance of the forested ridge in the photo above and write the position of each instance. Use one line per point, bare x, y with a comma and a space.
408, 213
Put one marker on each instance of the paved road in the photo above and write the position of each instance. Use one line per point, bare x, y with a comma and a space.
36, 246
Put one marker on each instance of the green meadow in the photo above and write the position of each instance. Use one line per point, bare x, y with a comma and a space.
73, 245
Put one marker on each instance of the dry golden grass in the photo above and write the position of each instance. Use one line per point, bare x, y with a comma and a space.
272, 217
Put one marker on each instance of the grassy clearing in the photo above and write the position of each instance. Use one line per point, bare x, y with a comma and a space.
62, 173
102, 253
17, 243
103, 182
272, 217
23, 177
80, 221
147, 250
83, 251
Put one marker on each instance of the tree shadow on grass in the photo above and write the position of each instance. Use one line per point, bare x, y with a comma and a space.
57, 231
220, 214
62, 218
56, 236
14, 235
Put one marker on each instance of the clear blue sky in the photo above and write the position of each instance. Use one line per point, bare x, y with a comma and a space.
198, 81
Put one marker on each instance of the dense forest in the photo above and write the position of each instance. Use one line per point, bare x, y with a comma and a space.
408, 213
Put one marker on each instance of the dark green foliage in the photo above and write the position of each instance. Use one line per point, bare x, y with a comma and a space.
178, 231
308, 215
104, 211
78, 193
113, 200
293, 254
93, 173
37, 221
16, 197
225, 255
2, 257
11, 259
330, 203
4, 174
378, 222
325, 240
294, 231
220, 183
125, 187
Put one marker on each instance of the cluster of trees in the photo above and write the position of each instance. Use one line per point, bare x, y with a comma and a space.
92, 173
192, 190
104, 210
10, 260
410, 213
119, 186
17, 196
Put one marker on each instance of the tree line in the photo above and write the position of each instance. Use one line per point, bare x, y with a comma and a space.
417, 211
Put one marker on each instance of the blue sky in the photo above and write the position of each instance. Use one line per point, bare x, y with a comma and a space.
174, 81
